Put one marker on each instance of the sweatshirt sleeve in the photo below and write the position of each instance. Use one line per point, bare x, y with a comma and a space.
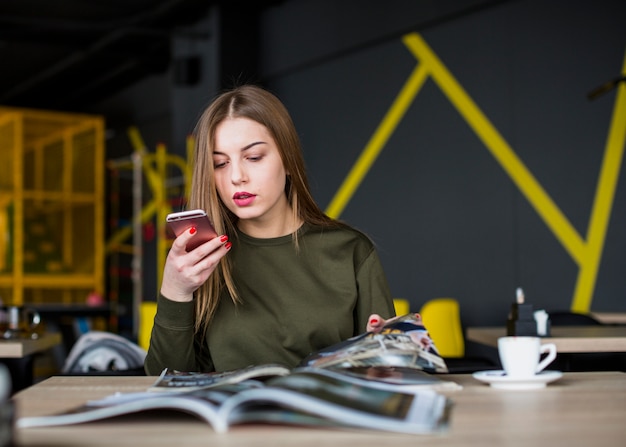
172, 342
374, 294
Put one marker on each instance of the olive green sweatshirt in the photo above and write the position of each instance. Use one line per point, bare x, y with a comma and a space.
293, 303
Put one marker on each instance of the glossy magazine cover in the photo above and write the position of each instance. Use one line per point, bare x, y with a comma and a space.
403, 342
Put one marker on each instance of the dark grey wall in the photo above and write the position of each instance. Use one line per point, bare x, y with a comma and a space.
447, 219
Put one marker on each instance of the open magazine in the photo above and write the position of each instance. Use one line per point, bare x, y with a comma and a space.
177, 381
389, 377
401, 354
403, 342
307, 396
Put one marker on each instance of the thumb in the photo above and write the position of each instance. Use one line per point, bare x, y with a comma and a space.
375, 323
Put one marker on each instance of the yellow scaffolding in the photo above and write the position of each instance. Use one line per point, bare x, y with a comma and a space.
155, 169
51, 206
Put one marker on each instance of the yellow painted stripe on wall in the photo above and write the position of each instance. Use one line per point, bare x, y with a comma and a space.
587, 254
603, 202
377, 142
499, 148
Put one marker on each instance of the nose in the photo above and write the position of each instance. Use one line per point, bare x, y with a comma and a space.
238, 174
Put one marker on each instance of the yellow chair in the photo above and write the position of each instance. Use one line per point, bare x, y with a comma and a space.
442, 319
401, 306
147, 311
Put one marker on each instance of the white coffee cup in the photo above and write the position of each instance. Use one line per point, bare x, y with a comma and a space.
520, 355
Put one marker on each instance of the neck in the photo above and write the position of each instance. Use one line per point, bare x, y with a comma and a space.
266, 228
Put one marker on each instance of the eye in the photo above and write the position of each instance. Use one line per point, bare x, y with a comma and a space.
254, 157
217, 164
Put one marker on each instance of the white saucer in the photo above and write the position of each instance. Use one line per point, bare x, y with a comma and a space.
499, 379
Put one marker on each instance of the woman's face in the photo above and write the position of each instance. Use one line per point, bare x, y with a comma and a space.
250, 177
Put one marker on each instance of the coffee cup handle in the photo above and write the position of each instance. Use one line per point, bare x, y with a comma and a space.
550, 349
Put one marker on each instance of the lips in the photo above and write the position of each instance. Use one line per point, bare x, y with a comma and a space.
243, 198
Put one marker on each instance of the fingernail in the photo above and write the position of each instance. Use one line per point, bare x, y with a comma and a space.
192, 230
224, 238
374, 321
228, 245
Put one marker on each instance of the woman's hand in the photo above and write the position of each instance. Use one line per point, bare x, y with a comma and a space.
375, 323
185, 271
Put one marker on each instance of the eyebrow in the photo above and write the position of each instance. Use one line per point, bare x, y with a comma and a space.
243, 149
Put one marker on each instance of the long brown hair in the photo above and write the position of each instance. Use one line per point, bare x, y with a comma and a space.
259, 105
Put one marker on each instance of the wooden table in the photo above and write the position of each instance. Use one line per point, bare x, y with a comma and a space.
22, 347
580, 409
610, 317
18, 355
568, 339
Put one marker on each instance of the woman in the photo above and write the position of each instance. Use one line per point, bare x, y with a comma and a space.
283, 280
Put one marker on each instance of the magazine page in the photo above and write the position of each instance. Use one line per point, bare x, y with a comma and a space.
403, 342
324, 397
203, 404
203, 409
173, 380
396, 378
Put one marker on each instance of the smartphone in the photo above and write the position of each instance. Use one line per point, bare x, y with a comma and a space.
182, 221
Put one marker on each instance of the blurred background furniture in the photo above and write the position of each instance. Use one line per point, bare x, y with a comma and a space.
568, 318
609, 317
147, 311
18, 355
442, 318
568, 339
584, 361
591, 347
401, 306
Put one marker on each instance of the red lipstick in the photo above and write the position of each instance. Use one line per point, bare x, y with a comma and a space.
243, 198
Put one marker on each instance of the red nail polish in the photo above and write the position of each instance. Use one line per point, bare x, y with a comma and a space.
192, 230
374, 321
228, 245
224, 238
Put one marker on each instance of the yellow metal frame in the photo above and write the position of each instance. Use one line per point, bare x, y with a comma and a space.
33, 134
155, 168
